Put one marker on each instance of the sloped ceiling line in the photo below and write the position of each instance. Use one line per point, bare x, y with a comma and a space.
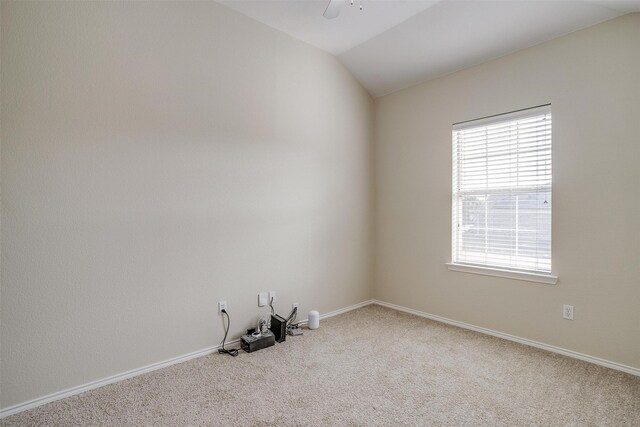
394, 44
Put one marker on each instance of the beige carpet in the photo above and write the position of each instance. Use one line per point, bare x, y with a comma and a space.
372, 366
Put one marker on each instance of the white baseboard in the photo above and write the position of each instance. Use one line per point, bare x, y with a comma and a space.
341, 310
346, 309
11, 410
145, 369
570, 353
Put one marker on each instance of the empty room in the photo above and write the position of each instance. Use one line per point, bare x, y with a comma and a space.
320, 213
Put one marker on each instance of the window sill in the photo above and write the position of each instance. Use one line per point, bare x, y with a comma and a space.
509, 274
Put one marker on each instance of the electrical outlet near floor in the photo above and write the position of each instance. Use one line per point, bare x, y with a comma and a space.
222, 305
272, 296
567, 311
294, 305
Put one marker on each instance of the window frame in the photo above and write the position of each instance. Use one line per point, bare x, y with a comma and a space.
489, 269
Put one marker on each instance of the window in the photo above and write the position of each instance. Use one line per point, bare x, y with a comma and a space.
502, 195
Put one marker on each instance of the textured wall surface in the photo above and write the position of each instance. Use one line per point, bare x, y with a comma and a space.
158, 157
591, 78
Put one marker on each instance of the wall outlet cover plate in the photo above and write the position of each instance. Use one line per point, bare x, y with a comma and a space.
262, 299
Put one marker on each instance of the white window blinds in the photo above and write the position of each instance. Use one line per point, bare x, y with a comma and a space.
502, 191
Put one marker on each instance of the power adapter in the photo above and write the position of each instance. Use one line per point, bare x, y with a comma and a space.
255, 342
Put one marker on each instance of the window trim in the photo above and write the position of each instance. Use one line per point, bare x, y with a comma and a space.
491, 270
548, 279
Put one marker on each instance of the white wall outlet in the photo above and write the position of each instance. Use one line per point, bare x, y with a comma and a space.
222, 305
567, 311
294, 305
272, 296
262, 299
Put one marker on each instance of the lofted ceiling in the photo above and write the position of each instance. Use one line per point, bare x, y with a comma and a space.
303, 19
393, 44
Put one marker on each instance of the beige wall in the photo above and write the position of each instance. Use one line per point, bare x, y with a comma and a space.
139, 189
592, 80
158, 157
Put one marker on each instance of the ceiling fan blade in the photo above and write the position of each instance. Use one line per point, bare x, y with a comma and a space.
333, 9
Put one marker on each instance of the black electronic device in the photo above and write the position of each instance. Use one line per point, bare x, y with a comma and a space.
278, 327
251, 343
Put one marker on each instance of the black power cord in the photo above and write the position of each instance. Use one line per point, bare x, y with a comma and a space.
233, 352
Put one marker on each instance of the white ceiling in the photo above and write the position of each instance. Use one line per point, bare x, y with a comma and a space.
393, 44
303, 19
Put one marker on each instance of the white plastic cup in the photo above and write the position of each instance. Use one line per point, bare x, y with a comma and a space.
314, 320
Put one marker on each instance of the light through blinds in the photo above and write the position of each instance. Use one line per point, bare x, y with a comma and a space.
502, 191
